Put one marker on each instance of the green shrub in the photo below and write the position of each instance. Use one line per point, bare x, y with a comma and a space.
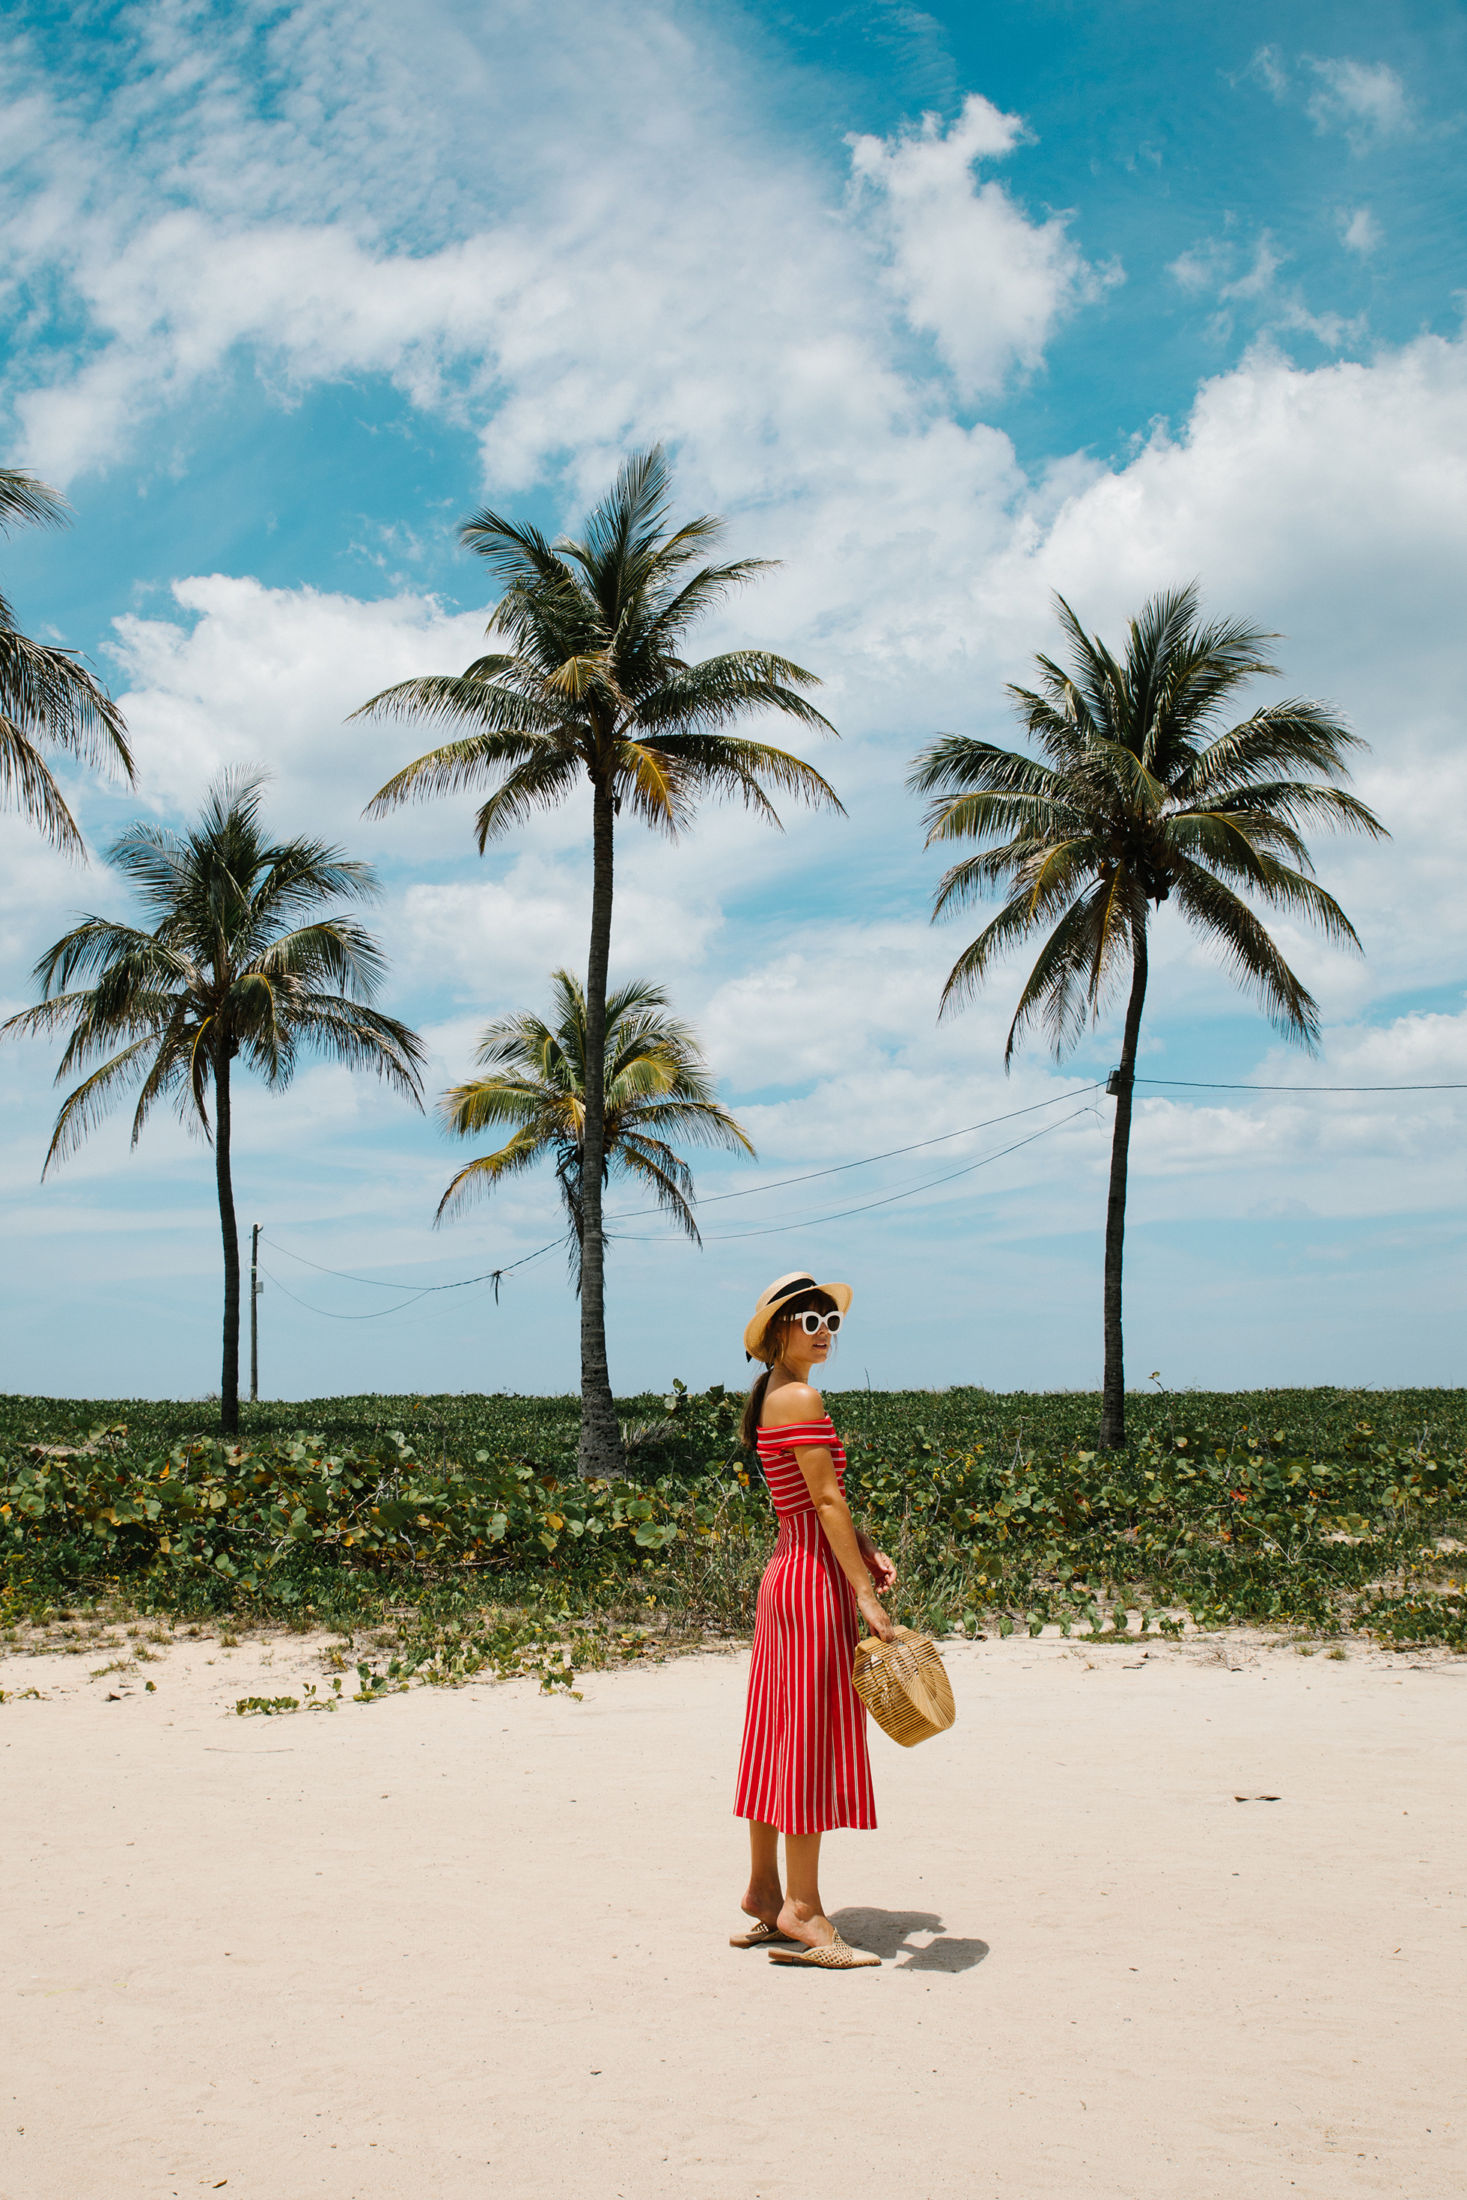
1320, 1510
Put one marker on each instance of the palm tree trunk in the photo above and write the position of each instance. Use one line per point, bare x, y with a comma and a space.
229, 1231
1113, 1397
600, 1446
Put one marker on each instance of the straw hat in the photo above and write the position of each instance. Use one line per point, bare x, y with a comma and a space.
904, 1686
774, 1295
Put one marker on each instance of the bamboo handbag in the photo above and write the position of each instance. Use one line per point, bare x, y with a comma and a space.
904, 1686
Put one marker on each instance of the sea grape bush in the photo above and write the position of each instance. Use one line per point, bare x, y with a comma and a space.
1248, 1529
246, 1511
1272, 1517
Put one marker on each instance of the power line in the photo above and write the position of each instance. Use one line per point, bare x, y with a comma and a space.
494, 1276
813, 1222
491, 1275
721, 1238
747, 1191
751, 1191
1197, 1084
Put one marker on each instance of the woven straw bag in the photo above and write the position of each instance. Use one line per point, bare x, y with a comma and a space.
904, 1686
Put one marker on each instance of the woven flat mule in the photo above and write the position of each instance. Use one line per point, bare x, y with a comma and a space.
760, 1935
834, 1956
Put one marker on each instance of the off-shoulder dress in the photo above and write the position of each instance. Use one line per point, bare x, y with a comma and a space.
804, 1766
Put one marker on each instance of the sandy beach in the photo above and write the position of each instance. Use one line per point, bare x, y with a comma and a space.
469, 1943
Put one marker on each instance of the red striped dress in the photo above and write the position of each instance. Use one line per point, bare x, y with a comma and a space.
804, 1766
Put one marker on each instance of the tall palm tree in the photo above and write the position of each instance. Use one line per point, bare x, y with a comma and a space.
242, 960
48, 699
591, 687
1143, 795
657, 1087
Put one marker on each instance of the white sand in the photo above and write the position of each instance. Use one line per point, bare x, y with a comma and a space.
473, 1944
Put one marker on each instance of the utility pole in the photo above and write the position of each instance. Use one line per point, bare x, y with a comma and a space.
256, 1287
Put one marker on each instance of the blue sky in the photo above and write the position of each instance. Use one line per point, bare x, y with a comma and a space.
945, 309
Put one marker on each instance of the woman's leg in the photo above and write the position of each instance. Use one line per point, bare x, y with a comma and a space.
765, 1894
803, 1916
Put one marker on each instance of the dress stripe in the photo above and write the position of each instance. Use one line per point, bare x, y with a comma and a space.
803, 1766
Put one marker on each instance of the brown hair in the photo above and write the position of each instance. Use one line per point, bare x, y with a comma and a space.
819, 1302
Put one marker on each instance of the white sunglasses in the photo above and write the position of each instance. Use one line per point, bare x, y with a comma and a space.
812, 1323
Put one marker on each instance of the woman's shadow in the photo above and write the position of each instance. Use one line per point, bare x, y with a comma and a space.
888, 1934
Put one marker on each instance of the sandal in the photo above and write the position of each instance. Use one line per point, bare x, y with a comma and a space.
834, 1956
759, 1935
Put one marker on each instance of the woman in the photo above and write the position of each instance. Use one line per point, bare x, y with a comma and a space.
804, 1767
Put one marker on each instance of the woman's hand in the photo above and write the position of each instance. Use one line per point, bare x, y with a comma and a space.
878, 1565
876, 1620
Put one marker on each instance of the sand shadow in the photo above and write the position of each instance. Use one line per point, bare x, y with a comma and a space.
888, 1934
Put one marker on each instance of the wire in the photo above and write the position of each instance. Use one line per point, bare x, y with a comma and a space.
811, 1222
750, 1191
747, 1191
1197, 1084
492, 1275
372, 1282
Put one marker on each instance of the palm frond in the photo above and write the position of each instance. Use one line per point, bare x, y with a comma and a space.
1013, 923
48, 695
358, 1037
955, 765
1135, 796
488, 1170
702, 1120
729, 765
1284, 737
703, 697
1288, 799
517, 552
676, 609
1067, 986
666, 1176
334, 950
27, 785
464, 1110
540, 783
28, 501
1230, 925
83, 1109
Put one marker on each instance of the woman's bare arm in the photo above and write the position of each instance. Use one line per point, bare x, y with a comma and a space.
797, 1402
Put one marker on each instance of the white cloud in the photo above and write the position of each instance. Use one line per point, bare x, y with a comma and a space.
1328, 502
562, 307
972, 271
1271, 70
1359, 230
1214, 266
1257, 280
183, 236
244, 674
1365, 99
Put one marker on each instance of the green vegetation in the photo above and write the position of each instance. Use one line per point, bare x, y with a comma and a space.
444, 1537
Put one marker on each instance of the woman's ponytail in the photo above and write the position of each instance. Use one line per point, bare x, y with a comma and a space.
753, 1407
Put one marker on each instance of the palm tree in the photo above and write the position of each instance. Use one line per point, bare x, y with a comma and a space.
48, 699
1142, 795
591, 686
241, 960
656, 1084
